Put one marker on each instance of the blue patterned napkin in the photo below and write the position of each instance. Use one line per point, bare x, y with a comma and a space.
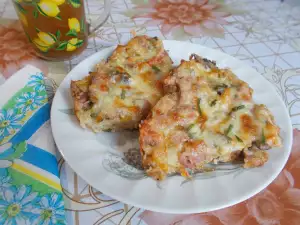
30, 190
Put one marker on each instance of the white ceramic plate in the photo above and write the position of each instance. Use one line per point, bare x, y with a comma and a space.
97, 158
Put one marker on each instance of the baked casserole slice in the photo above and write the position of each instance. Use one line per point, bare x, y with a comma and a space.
206, 116
123, 89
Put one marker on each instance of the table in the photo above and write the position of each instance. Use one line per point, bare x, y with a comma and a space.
264, 34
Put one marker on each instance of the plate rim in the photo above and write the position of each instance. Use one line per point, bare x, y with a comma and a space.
157, 208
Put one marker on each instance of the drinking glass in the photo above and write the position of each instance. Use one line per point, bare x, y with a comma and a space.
57, 28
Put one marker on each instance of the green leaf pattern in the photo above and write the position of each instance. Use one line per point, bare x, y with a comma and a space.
62, 45
43, 40
20, 7
58, 34
75, 3
79, 43
71, 33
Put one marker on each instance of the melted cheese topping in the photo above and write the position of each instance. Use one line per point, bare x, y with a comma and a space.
123, 89
207, 115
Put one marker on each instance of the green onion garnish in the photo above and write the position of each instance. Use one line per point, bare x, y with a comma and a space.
107, 130
240, 140
234, 109
123, 94
155, 68
263, 138
228, 130
199, 107
94, 115
213, 102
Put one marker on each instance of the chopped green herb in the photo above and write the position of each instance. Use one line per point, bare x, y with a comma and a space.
228, 130
221, 85
234, 109
107, 130
240, 140
155, 68
220, 88
123, 94
228, 139
194, 131
94, 115
263, 138
191, 126
199, 107
213, 102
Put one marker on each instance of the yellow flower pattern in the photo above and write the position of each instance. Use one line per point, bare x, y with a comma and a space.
72, 44
49, 8
40, 45
44, 41
46, 38
74, 24
58, 2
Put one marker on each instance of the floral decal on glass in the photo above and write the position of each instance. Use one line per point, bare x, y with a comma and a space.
46, 40
183, 18
75, 27
48, 8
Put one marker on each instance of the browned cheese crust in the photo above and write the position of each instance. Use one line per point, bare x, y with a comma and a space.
206, 116
123, 89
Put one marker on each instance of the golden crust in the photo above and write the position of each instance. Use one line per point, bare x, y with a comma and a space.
207, 115
79, 91
125, 87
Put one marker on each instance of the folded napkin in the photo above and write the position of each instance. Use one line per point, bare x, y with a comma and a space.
30, 191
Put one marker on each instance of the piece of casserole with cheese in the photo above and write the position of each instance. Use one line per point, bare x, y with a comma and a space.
206, 116
124, 88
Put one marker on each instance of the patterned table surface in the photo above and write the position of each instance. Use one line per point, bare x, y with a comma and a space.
264, 34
